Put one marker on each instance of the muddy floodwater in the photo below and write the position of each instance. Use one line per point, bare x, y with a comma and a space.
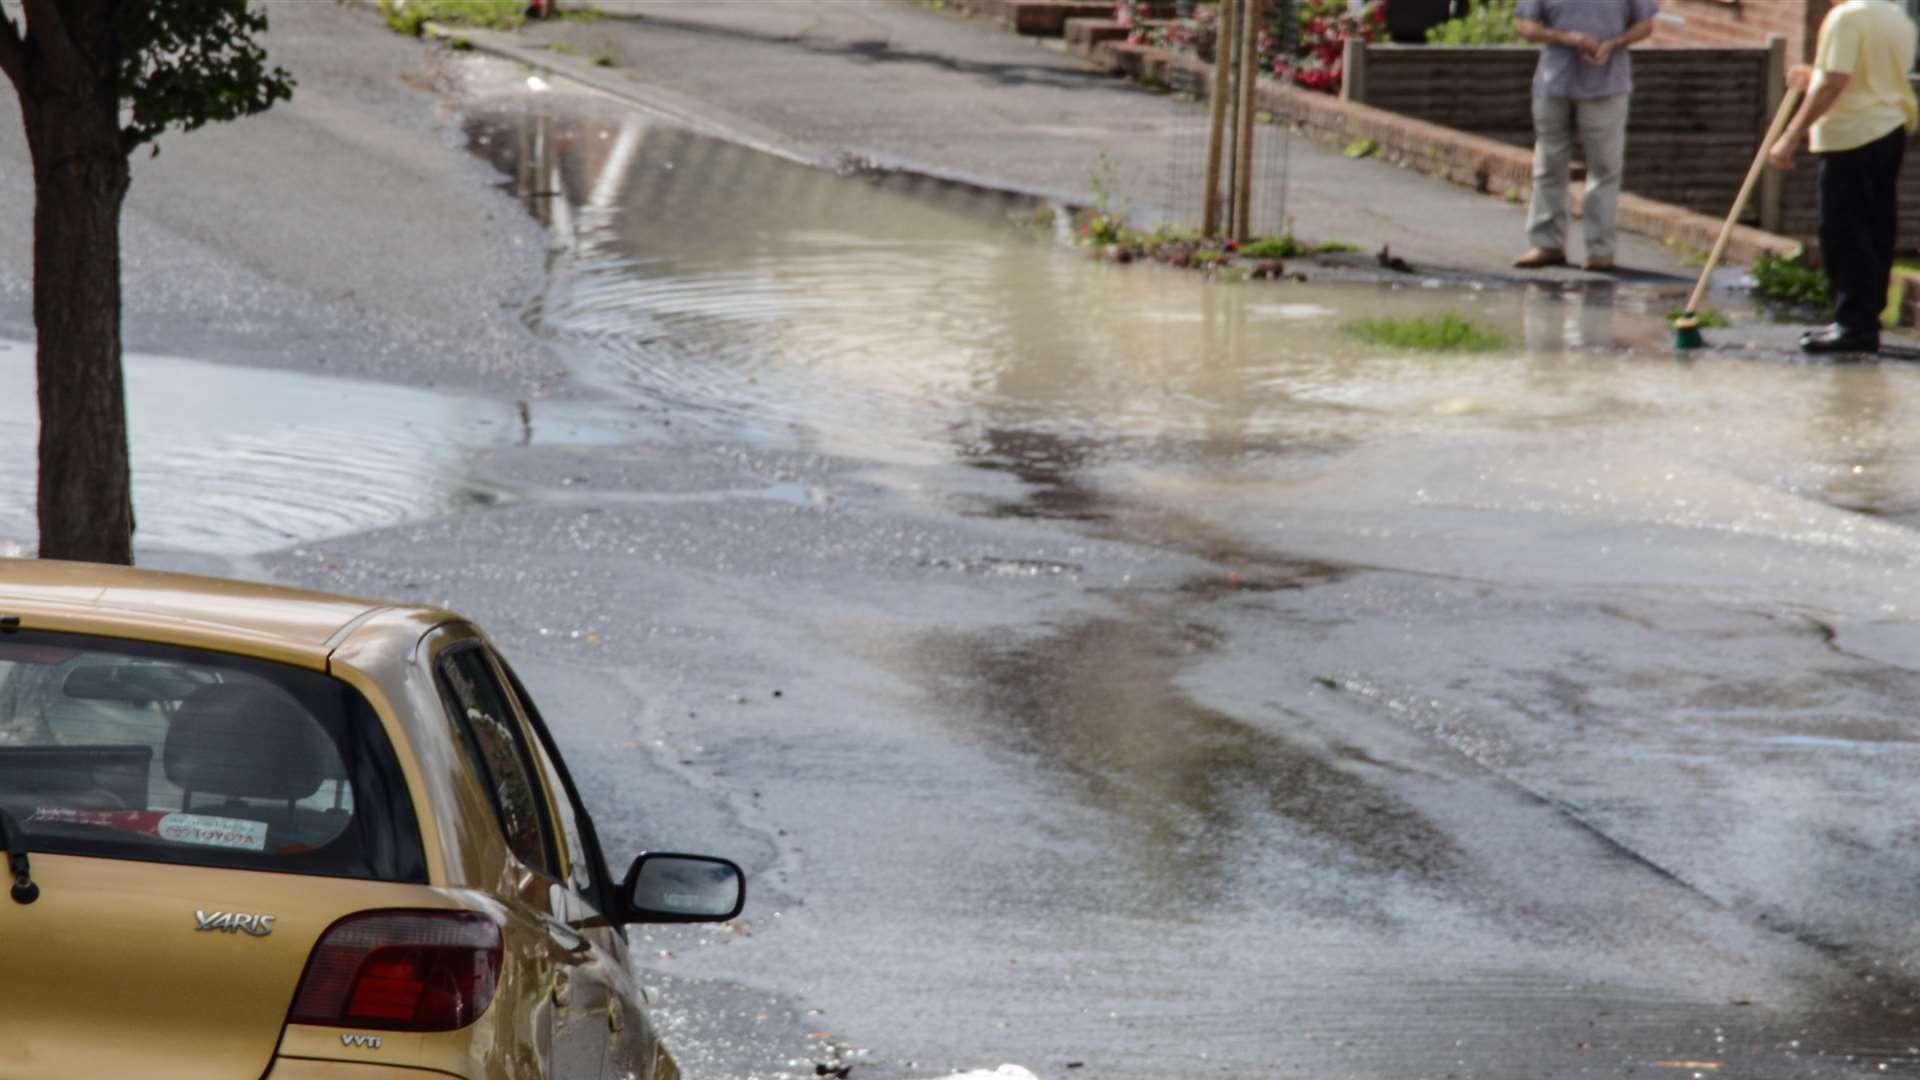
904, 319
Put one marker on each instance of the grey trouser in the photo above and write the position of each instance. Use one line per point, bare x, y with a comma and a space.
1602, 123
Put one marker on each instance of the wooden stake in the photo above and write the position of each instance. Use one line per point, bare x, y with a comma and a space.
1217, 120
1243, 149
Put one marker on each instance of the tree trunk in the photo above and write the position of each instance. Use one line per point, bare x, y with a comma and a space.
80, 183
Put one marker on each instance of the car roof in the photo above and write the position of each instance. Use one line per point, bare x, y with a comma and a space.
267, 620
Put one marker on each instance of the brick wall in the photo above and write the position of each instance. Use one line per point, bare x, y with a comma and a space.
1474, 161
1746, 22
1698, 113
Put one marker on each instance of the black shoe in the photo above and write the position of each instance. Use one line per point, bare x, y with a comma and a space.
1830, 328
1835, 339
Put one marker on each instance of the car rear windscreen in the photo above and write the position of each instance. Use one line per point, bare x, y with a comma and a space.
133, 750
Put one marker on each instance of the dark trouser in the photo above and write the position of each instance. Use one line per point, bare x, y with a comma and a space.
1859, 216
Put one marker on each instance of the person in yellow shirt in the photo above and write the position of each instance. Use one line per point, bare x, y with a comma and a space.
1859, 109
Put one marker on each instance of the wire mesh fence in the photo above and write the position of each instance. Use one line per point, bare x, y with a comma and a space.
1267, 163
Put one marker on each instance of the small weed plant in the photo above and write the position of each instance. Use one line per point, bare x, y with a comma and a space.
1103, 176
1792, 281
1447, 333
1105, 222
1105, 230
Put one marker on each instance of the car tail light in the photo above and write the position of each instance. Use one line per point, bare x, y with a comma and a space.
401, 971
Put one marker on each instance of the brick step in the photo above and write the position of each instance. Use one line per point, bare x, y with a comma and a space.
1085, 35
1048, 18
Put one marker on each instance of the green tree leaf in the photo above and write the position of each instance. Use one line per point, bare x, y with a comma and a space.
187, 63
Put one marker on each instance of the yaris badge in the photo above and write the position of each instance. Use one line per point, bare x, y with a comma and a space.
234, 922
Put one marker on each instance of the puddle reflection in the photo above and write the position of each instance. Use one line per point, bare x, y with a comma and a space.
231, 461
778, 295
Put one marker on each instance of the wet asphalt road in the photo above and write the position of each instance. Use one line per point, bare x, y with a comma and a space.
1094, 669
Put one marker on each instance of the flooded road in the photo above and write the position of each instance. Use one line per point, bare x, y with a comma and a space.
1131, 675
1196, 690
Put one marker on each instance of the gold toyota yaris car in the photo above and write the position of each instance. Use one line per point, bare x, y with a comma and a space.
256, 832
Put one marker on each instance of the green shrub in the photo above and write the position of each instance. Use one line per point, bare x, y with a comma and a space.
1442, 333
1792, 281
1490, 22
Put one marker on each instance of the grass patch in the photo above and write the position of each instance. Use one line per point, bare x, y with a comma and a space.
1708, 318
1362, 148
1273, 247
1439, 333
411, 16
1287, 246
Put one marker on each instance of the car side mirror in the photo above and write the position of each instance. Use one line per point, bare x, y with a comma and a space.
663, 888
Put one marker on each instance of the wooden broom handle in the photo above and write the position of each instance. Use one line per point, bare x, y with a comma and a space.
1780, 119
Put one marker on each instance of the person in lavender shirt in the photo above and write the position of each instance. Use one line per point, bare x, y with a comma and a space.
1583, 83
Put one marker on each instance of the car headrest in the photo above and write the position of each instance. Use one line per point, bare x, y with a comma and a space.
250, 740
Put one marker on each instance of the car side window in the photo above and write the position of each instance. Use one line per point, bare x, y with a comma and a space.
587, 870
580, 872
479, 708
